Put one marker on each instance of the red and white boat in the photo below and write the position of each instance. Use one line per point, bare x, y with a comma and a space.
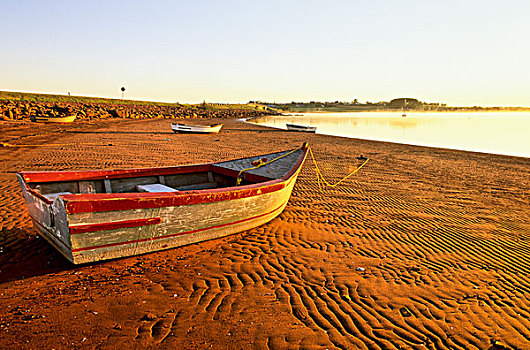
105, 214
197, 129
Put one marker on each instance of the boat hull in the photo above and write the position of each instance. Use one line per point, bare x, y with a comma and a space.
177, 226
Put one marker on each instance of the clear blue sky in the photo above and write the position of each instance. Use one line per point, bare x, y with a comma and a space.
458, 52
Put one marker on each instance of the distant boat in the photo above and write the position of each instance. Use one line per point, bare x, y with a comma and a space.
67, 119
302, 128
198, 129
105, 214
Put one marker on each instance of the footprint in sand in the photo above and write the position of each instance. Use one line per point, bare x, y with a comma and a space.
155, 329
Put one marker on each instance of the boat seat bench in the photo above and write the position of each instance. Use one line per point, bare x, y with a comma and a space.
164, 188
155, 188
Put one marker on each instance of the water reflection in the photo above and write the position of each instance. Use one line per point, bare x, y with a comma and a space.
500, 133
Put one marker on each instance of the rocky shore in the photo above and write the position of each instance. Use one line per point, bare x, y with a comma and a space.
12, 109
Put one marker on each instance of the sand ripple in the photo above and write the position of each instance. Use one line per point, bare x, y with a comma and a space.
421, 249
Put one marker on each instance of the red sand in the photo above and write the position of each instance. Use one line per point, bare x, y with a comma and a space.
422, 248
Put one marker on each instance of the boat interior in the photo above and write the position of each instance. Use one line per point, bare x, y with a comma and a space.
164, 182
173, 179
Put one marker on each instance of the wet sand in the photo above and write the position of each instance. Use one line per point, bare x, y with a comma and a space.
422, 248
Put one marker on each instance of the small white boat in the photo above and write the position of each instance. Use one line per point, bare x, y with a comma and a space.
302, 128
199, 129
66, 119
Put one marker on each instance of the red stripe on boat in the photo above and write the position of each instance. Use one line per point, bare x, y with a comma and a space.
75, 229
54, 176
88, 203
174, 234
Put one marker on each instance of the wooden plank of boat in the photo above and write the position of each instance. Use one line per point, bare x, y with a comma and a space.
302, 128
201, 129
67, 119
105, 214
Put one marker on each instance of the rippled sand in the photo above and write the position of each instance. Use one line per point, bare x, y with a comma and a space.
422, 248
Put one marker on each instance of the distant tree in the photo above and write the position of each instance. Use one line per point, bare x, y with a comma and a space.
122, 92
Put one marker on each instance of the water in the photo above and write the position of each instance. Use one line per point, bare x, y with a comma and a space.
492, 132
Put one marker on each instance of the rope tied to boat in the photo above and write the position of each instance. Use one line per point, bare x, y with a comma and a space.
320, 177
321, 181
261, 162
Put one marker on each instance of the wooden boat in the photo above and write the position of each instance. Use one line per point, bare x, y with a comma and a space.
67, 119
105, 214
303, 128
200, 129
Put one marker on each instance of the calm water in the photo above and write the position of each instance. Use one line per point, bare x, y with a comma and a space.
499, 133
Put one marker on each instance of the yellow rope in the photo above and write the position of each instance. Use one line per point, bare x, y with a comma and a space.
321, 179
262, 163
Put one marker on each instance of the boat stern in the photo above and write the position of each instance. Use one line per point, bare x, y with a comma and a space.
49, 218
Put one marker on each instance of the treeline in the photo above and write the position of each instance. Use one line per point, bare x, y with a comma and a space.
402, 104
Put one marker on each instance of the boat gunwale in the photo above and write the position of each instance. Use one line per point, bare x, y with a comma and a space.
97, 202
258, 179
87, 175
127, 201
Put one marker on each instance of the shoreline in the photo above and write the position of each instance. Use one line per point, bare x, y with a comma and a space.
324, 124
422, 247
